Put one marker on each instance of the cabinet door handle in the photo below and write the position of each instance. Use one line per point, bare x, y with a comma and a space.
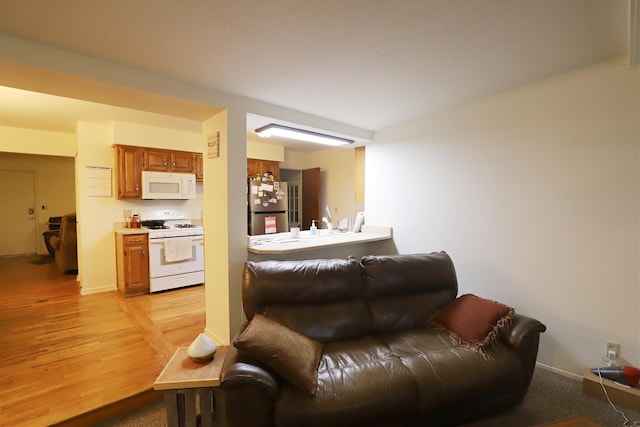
135, 241
164, 163
174, 164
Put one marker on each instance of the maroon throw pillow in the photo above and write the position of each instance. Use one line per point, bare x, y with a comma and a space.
474, 322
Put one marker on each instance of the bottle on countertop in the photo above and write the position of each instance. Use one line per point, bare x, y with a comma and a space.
135, 223
313, 230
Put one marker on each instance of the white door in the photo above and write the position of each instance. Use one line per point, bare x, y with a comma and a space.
17, 213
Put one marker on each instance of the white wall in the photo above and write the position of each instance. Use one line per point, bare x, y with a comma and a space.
337, 181
95, 215
218, 252
126, 133
535, 195
35, 141
260, 150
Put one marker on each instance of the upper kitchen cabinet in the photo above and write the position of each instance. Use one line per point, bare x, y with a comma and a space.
128, 170
155, 159
132, 160
260, 167
199, 168
183, 161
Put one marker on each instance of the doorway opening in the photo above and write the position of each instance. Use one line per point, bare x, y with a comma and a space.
49, 193
304, 196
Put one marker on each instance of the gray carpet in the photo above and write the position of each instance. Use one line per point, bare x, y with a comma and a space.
551, 397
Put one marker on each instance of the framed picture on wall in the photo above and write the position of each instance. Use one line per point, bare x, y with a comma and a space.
213, 145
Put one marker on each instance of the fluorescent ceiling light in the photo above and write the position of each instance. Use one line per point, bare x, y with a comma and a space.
273, 129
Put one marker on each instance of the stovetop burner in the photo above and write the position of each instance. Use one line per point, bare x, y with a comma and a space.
168, 226
154, 224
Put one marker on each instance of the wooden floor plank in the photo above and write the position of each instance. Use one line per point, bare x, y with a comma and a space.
65, 357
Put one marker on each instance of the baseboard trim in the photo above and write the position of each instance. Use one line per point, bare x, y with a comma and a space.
90, 291
217, 339
112, 410
562, 372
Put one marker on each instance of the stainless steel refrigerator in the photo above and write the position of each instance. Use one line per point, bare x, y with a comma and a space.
267, 207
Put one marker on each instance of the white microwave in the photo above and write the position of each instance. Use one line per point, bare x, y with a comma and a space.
168, 185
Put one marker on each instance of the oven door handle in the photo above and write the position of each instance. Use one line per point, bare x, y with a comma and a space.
162, 240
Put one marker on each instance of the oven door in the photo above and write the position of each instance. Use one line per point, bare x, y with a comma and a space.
160, 267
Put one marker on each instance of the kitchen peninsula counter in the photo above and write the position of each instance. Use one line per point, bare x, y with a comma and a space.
323, 245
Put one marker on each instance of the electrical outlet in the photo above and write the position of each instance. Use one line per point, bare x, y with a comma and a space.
613, 350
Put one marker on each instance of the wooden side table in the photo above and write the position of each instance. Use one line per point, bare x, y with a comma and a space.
182, 379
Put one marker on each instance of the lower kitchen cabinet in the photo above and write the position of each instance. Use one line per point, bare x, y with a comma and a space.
132, 262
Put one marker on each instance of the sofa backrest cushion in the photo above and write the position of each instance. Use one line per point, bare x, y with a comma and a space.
322, 299
406, 291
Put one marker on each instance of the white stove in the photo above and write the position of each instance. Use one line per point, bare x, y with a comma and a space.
176, 249
177, 230
169, 223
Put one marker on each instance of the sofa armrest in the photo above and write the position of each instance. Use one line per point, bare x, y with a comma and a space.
525, 338
237, 371
521, 328
54, 241
250, 391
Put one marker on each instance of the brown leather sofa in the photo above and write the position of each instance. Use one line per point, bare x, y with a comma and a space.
381, 358
65, 246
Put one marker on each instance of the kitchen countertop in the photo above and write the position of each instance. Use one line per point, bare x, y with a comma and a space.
282, 243
118, 227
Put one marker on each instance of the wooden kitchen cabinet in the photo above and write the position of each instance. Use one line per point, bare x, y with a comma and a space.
132, 263
260, 167
156, 160
132, 160
159, 160
183, 162
254, 167
128, 170
199, 168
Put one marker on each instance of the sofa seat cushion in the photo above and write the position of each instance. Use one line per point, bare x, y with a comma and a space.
360, 382
450, 374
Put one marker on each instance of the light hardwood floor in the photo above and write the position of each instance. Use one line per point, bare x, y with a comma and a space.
75, 360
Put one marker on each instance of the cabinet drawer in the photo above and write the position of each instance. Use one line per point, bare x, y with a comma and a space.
134, 239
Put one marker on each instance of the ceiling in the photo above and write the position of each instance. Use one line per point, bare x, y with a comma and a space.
369, 64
